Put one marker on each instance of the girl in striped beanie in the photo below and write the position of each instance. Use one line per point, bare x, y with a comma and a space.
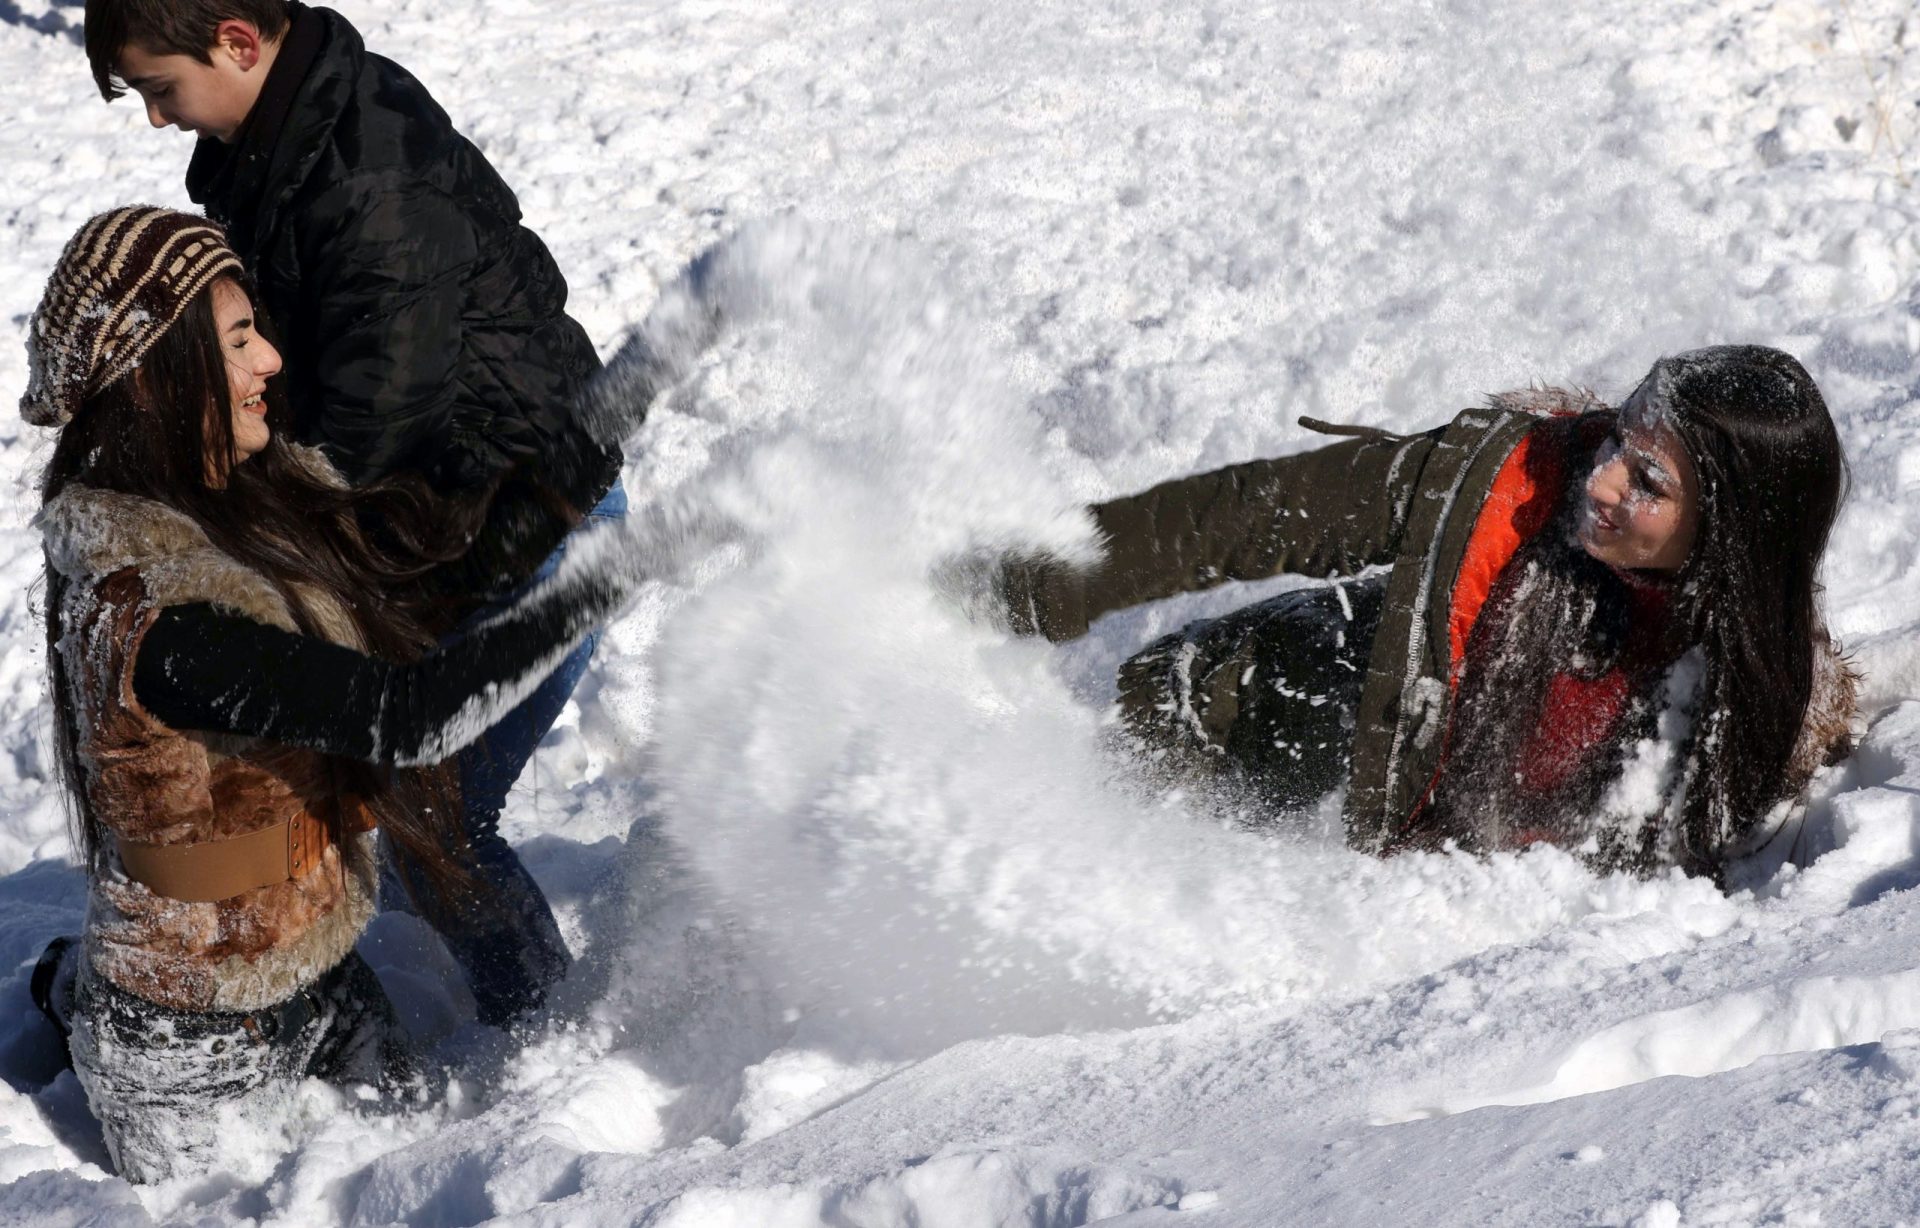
244, 685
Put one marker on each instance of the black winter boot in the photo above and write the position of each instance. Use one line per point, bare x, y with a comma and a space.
52, 987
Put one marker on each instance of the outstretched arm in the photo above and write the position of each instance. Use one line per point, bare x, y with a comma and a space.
200, 668
1332, 511
660, 353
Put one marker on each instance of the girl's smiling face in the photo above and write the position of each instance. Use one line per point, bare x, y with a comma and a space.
251, 362
1643, 495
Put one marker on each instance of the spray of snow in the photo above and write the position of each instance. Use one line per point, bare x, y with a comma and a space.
921, 825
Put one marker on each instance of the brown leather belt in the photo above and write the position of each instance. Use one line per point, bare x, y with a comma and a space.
210, 870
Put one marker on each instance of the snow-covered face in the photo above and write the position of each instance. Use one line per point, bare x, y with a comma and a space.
1643, 496
211, 99
251, 362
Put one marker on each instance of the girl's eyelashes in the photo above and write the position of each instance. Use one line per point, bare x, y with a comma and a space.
1651, 478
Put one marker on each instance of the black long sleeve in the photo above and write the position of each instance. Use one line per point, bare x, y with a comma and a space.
198, 668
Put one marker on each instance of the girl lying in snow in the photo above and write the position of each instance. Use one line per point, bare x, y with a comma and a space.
1600, 628
244, 688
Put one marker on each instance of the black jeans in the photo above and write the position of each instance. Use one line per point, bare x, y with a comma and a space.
1264, 696
171, 1087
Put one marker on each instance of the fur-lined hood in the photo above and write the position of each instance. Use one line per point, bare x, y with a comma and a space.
1547, 401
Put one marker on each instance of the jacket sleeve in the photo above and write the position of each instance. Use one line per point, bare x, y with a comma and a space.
386, 266
204, 669
1332, 511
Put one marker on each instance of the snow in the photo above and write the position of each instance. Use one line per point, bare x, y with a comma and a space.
873, 927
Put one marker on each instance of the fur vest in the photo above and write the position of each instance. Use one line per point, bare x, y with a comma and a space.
124, 559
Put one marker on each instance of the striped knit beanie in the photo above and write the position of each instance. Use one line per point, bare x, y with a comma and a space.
121, 283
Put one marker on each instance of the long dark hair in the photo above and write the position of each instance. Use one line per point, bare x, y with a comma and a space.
158, 433
1728, 687
1554, 610
1772, 475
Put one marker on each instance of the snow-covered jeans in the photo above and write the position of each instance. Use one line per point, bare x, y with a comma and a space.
511, 949
1264, 697
176, 1090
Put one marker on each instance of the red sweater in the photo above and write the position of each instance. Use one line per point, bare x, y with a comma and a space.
1579, 716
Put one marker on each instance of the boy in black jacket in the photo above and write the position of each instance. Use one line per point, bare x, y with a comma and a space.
425, 334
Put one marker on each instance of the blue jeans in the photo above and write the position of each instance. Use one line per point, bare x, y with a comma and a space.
508, 943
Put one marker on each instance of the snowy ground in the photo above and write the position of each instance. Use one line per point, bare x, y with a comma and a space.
872, 929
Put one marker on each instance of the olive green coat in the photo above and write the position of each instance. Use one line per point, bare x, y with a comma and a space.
1407, 502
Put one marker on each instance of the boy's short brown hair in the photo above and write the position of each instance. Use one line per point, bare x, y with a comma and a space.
168, 27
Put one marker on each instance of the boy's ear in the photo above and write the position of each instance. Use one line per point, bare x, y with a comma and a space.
239, 41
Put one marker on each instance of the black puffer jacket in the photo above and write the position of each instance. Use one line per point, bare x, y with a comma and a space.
425, 328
